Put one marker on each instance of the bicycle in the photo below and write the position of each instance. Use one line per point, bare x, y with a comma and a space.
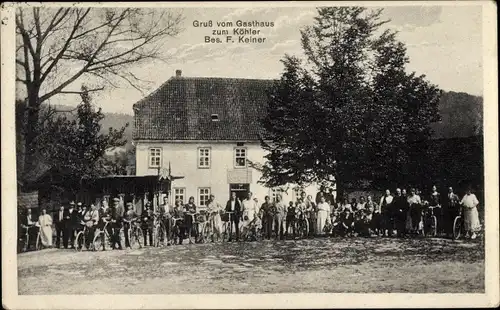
134, 233
25, 243
302, 225
99, 236
176, 232
458, 225
80, 241
226, 227
209, 230
201, 229
159, 231
252, 229
430, 222
195, 220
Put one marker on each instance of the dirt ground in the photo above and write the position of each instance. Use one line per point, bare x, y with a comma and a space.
355, 265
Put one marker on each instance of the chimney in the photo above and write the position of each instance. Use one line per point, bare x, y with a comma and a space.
178, 73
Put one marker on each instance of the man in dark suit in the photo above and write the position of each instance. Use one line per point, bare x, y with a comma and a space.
451, 209
116, 212
400, 208
234, 205
60, 229
71, 224
147, 222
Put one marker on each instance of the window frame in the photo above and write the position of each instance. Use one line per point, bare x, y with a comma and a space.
234, 157
273, 193
183, 194
207, 196
150, 157
209, 157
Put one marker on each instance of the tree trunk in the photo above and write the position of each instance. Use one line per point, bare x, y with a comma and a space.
32, 130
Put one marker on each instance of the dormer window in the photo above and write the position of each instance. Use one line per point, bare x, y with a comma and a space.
215, 117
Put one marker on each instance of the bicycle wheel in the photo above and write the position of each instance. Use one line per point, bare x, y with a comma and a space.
156, 236
164, 235
433, 228
258, 234
306, 227
38, 245
202, 234
97, 242
131, 238
137, 236
79, 241
225, 231
26, 244
457, 227
421, 226
175, 235
122, 236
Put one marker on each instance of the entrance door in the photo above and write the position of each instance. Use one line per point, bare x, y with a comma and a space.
241, 190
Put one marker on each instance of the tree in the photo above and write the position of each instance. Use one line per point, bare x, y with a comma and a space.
77, 147
57, 47
120, 162
351, 110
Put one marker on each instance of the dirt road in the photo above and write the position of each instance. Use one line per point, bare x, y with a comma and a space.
319, 265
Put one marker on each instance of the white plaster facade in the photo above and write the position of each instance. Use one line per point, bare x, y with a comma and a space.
183, 158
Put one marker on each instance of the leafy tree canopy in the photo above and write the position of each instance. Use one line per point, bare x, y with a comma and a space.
350, 109
77, 146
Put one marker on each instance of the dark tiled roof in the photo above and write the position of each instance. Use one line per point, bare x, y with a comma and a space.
27, 200
39, 169
182, 107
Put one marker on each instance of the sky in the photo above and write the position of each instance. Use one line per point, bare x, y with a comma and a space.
443, 42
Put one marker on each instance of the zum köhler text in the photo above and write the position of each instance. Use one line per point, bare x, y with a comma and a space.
234, 32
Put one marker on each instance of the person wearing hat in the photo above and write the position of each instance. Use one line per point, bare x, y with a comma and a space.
165, 218
116, 216
79, 207
147, 220
71, 220
59, 224
129, 218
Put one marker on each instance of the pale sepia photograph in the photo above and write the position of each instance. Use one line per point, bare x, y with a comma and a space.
273, 149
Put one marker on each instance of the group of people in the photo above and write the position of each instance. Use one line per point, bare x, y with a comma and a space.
67, 221
399, 214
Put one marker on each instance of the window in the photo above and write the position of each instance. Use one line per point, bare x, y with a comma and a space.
215, 117
179, 194
154, 157
274, 193
240, 157
204, 157
204, 196
296, 193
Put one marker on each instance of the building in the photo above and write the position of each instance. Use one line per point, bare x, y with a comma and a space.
207, 130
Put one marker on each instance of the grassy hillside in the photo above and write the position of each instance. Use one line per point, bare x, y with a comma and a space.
114, 120
462, 116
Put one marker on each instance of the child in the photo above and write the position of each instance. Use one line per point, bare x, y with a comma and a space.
358, 223
290, 218
347, 224
335, 223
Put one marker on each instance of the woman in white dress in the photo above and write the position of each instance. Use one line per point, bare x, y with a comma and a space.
214, 210
471, 216
323, 215
45, 222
